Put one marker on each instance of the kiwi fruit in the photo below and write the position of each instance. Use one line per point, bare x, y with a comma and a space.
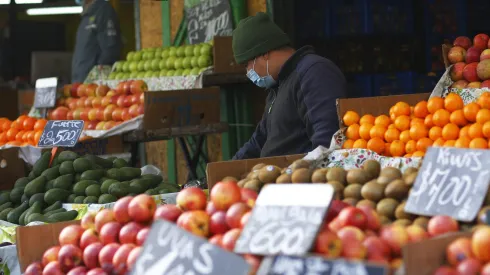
254, 185
336, 174
241, 183
300, 163
350, 201
258, 166
284, 178
403, 222
387, 207
338, 187
422, 222
357, 176
372, 191
369, 203
401, 214
410, 179
319, 176
353, 191
254, 175
409, 171
382, 180
397, 190
301, 175
391, 172
269, 173
384, 220
372, 168
227, 179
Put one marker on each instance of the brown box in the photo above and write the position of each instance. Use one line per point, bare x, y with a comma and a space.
11, 168
216, 171
223, 59
377, 105
32, 241
181, 108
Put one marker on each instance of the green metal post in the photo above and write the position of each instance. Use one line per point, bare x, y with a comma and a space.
238, 10
270, 8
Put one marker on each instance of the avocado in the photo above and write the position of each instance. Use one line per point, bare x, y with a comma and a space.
53, 206
56, 194
154, 180
14, 215
79, 187
81, 165
4, 213
6, 205
16, 195
64, 182
120, 163
4, 197
41, 164
93, 190
129, 173
103, 163
21, 183
49, 185
62, 217
67, 155
35, 217
119, 190
31, 176
107, 198
104, 188
71, 198
35, 186
35, 208
78, 177
114, 174
90, 199
51, 173
79, 199
24, 198
171, 187
59, 210
37, 198
93, 174
139, 186
151, 192
67, 168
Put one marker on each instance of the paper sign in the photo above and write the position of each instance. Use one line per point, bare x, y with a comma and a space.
169, 249
61, 133
45, 95
208, 19
285, 219
451, 182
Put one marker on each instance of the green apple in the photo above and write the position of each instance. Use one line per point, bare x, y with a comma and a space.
189, 50
133, 75
137, 56
125, 76
194, 71
172, 51
194, 63
118, 66
129, 56
206, 49
155, 64
170, 63
178, 72
147, 66
186, 72
178, 63
163, 72
150, 55
164, 53
202, 70
180, 51
112, 76
141, 66
133, 66
158, 53
148, 74
170, 73
162, 64
155, 74
204, 61
197, 50
186, 62
119, 75
141, 75
125, 67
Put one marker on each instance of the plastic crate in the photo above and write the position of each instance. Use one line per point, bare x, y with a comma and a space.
393, 84
359, 86
349, 17
391, 16
309, 17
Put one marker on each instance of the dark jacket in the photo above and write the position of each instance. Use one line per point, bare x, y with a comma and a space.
98, 40
300, 111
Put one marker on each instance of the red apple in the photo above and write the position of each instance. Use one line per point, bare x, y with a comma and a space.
91, 125
120, 101
53, 268
351, 234
108, 112
80, 270
373, 221
90, 89
106, 100
376, 246
106, 255
50, 255
416, 233
119, 261
249, 196
88, 102
328, 244
335, 207
91, 255
235, 213
120, 90
210, 208
103, 217
480, 41
141, 109
97, 271
462, 41
102, 90
133, 110
109, 233
469, 267
469, 72
224, 194
97, 102
167, 212
77, 114
117, 114
133, 256
135, 99
473, 55
89, 236
92, 114
82, 90
127, 86
60, 113
100, 114
395, 236
439, 225
216, 239
485, 54
67, 90
114, 99
245, 218
229, 239
121, 209
138, 86
485, 84
458, 251
109, 125
460, 84
129, 232
142, 235
456, 54
81, 102
485, 269
353, 216
217, 223
192, 198
111, 93
195, 221
74, 89
100, 125
142, 98
457, 71
142, 208
72, 105
84, 114
69, 257
36, 268
71, 235
125, 116
69, 115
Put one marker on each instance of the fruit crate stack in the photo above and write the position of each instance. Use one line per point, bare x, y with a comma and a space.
391, 17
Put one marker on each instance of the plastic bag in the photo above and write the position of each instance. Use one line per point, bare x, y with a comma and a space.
9, 263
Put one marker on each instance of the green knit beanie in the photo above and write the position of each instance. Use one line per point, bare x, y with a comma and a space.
255, 36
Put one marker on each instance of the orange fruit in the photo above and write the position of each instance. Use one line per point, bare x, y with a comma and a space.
20, 120
392, 135
440, 118
418, 154
450, 131
352, 132
449, 143
418, 131
387, 151
435, 132
29, 123
416, 120
11, 133
463, 142
407, 156
484, 100
405, 136
6, 125
364, 130
483, 116
376, 144
3, 138
420, 110
30, 135
37, 136
14, 143
486, 129
478, 143
428, 121
423, 144
377, 131
402, 123
392, 116
463, 132
457, 117
453, 102
411, 147
367, 119
40, 123
470, 111
397, 148
25, 137
360, 144
382, 120
20, 135
401, 109
16, 125
391, 126
475, 130
434, 104
439, 142
350, 118
348, 144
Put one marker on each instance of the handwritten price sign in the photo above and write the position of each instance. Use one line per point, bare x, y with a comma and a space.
208, 19
285, 220
451, 182
61, 133
45, 95
172, 250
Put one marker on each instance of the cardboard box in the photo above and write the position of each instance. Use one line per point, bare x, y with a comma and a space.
223, 59
11, 168
179, 108
423, 258
378, 105
32, 241
216, 171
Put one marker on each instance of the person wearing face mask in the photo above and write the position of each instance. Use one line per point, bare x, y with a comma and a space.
98, 40
300, 112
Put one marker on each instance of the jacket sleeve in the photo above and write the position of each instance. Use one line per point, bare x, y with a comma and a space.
108, 36
321, 85
253, 147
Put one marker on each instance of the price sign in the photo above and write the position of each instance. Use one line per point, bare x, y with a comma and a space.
309, 265
45, 95
208, 19
61, 133
451, 182
285, 219
172, 250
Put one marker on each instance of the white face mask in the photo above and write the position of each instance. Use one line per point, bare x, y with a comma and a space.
265, 81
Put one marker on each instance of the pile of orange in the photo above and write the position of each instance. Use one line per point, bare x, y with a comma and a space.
409, 130
21, 132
